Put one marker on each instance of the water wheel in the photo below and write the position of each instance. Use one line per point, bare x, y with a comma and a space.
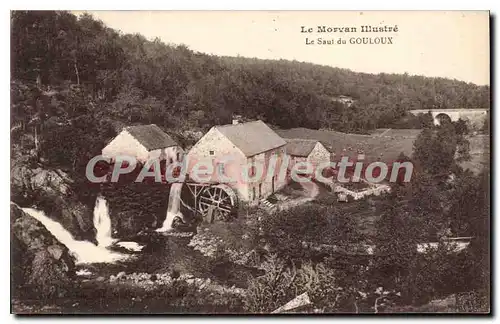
217, 203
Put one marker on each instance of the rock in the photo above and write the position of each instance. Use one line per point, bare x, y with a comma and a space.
174, 274
295, 304
120, 275
38, 259
56, 251
100, 279
50, 190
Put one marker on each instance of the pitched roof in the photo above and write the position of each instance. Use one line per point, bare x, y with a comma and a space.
151, 136
252, 137
300, 146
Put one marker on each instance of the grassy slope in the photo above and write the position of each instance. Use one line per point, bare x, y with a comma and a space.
390, 144
384, 143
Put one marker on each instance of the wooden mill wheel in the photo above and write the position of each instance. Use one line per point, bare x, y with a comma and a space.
217, 203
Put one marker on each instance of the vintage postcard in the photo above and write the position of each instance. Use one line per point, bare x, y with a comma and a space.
250, 162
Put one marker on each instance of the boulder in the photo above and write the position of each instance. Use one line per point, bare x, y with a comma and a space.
50, 190
298, 303
41, 265
56, 251
120, 275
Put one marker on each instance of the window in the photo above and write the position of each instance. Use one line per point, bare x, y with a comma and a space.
211, 152
178, 156
220, 168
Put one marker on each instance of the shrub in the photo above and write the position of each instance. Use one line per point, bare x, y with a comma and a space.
280, 284
298, 233
273, 289
288, 231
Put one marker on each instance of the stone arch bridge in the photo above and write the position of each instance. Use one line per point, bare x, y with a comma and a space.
475, 116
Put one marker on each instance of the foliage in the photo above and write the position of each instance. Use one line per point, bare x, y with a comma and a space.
137, 80
411, 121
461, 127
441, 200
293, 233
433, 274
75, 82
470, 215
273, 289
434, 150
281, 283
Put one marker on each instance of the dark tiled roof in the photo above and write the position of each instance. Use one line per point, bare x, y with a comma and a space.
151, 136
252, 137
299, 146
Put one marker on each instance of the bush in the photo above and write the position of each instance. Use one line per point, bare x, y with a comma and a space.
280, 284
297, 234
287, 231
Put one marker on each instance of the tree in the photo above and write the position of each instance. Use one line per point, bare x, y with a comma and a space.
83, 51
470, 216
293, 234
435, 150
461, 127
396, 241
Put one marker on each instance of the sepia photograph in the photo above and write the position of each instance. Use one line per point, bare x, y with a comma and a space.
250, 162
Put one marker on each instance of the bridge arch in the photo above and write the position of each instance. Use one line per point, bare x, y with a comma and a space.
473, 116
442, 118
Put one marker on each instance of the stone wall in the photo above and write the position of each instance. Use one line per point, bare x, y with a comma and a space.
376, 190
227, 159
215, 149
319, 155
125, 144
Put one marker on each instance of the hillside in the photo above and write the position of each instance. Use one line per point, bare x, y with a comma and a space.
382, 143
139, 80
75, 83
386, 144
93, 79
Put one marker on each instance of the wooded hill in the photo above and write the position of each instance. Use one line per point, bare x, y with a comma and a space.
137, 80
77, 81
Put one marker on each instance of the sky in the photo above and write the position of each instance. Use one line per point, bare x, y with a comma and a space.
451, 44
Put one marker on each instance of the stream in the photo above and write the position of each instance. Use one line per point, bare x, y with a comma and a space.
110, 271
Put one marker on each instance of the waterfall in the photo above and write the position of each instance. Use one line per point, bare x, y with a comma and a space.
84, 251
173, 209
102, 223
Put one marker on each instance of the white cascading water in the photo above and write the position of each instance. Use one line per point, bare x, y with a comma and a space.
102, 223
173, 209
84, 251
